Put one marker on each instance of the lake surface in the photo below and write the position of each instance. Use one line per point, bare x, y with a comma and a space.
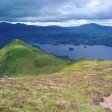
78, 52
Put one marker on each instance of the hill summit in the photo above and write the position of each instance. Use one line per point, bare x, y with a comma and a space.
20, 58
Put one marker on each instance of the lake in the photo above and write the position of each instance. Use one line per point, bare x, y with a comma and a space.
77, 52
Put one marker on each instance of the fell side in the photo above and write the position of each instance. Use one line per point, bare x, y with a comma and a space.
20, 58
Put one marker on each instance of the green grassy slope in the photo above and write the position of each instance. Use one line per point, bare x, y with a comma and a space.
90, 81
20, 58
79, 87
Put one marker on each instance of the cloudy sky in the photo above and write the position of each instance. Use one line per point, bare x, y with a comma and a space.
57, 12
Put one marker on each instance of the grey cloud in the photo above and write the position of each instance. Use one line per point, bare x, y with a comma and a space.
54, 10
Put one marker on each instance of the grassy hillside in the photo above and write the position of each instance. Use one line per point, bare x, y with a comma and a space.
80, 87
19, 58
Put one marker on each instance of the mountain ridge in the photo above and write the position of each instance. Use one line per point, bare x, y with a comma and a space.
89, 34
21, 58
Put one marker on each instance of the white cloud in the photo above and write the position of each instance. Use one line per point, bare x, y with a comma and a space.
93, 4
69, 23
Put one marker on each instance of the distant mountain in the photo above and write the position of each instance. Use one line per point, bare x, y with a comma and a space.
94, 29
19, 58
89, 34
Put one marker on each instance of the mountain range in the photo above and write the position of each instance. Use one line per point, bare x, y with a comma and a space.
88, 34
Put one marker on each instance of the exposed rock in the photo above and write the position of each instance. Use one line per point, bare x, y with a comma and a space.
63, 105
107, 103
